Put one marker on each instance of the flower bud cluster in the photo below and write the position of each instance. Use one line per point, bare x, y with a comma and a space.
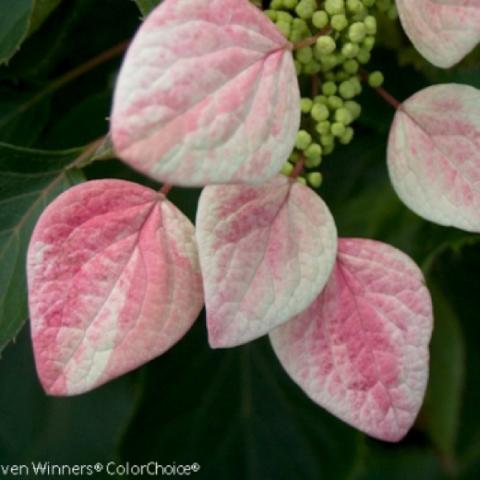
333, 39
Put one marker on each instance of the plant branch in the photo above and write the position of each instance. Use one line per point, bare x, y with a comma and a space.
165, 190
88, 154
388, 97
307, 42
298, 169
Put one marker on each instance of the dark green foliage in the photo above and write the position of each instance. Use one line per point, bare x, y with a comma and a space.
235, 412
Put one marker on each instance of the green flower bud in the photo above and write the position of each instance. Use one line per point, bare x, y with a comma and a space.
351, 66
355, 6
375, 79
335, 102
355, 81
295, 156
344, 116
284, 27
304, 55
321, 99
350, 50
338, 129
302, 180
347, 89
320, 19
313, 151
287, 169
334, 6
315, 179
271, 14
363, 56
339, 22
354, 108
306, 8
392, 13
326, 140
306, 105
313, 162
298, 67
319, 112
325, 45
323, 128
329, 88
328, 62
328, 149
276, 4
347, 137
368, 43
312, 68
370, 23
290, 4
301, 25
303, 140
357, 32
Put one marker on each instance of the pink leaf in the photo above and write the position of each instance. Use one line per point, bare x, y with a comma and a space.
443, 31
207, 94
113, 281
361, 349
434, 155
266, 252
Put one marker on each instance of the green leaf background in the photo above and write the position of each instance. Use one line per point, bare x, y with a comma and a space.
235, 412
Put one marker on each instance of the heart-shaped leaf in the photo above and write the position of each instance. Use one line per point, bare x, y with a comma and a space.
361, 349
266, 252
113, 281
443, 31
434, 155
207, 94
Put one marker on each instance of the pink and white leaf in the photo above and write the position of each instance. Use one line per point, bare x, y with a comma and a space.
443, 31
207, 94
361, 349
266, 252
113, 280
434, 155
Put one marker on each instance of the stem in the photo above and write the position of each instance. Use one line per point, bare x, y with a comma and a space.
165, 190
298, 169
68, 77
86, 157
388, 97
314, 86
306, 42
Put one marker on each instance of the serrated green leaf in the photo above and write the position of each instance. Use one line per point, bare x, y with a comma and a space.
29, 180
238, 414
18, 20
146, 6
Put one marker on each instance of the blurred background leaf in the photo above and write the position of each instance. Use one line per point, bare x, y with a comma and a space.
19, 19
29, 180
238, 415
60, 430
146, 6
